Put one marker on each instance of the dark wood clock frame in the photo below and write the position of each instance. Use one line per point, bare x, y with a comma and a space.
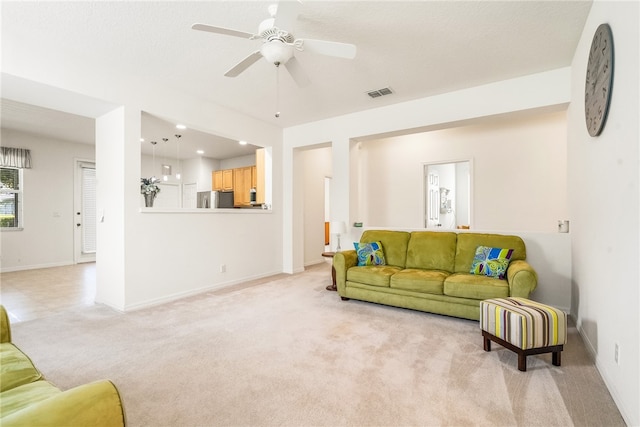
599, 80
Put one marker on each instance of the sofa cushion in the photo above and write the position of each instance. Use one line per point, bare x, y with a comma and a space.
465, 285
374, 275
427, 281
468, 243
492, 262
370, 253
16, 368
432, 250
25, 395
394, 244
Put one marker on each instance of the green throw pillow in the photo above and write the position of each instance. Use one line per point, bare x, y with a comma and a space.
370, 253
492, 262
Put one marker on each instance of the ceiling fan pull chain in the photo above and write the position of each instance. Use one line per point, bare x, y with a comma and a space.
277, 90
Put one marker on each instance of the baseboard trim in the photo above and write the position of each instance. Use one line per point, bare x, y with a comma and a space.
35, 266
316, 262
180, 295
603, 373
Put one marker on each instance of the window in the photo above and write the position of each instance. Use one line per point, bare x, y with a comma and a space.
10, 198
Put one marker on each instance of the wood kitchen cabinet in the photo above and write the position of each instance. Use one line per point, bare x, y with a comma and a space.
227, 180
242, 180
216, 183
258, 176
222, 180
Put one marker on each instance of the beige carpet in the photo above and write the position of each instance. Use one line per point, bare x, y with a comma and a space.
287, 352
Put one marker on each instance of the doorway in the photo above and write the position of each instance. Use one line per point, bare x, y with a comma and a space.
85, 217
448, 195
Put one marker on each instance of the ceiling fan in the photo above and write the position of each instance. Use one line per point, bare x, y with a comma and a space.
278, 44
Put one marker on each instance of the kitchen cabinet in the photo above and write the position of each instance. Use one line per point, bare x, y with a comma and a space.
258, 176
216, 184
227, 180
254, 177
242, 180
222, 180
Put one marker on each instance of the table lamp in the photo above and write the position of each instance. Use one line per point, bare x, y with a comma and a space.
338, 228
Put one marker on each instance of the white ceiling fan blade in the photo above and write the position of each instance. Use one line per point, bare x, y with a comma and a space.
286, 15
340, 50
222, 30
244, 64
296, 71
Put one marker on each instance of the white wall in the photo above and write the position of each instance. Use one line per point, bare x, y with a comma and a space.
463, 193
238, 162
603, 188
539, 93
146, 258
197, 170
47, 238
519, 173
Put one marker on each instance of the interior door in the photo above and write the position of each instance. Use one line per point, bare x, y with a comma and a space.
189, 196
85, 215
433, 200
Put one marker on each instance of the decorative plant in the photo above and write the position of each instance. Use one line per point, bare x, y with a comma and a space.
149, 185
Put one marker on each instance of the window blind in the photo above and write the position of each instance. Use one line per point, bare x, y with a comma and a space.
89, 218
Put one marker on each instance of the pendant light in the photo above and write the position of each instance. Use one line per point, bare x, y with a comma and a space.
166, 169
178, 175
153, 145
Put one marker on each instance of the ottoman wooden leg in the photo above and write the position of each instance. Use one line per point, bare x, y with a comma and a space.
487, 342
522, 362
556, 358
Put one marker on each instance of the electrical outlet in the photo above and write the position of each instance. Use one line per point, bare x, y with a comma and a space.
223, 269
616, 353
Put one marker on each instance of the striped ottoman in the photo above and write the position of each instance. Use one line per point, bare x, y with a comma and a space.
523, 326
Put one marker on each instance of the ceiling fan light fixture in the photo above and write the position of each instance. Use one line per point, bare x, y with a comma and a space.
276, 52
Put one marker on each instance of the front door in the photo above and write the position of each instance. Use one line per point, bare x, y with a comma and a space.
84, 216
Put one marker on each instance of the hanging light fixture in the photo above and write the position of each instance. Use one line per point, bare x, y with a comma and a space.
166, 169
153, 145
178, 136
277, 90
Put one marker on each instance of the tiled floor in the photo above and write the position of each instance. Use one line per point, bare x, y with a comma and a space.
32, 294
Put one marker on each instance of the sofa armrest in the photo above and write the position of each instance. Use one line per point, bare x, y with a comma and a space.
342, 261
522, 279
95, 404
5, 325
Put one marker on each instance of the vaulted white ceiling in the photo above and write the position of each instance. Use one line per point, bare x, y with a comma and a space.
417, 48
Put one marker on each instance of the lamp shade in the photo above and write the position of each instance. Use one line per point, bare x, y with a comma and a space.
338, 227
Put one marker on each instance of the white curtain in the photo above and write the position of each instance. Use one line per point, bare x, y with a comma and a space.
15, 157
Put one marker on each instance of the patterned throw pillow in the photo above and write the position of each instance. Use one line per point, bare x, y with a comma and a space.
492, 262
370, 253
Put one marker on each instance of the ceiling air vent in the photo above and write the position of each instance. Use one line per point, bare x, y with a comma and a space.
380, 92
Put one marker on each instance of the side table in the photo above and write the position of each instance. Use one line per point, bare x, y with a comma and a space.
332, 286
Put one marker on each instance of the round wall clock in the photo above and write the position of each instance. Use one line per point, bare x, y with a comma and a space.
599, 81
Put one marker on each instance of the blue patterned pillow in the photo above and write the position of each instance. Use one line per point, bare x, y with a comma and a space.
492, 262
370, 253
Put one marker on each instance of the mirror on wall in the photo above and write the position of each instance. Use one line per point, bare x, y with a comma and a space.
447, 195
182, 162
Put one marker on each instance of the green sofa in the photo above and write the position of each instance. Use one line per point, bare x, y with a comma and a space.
27, 399
430, 271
